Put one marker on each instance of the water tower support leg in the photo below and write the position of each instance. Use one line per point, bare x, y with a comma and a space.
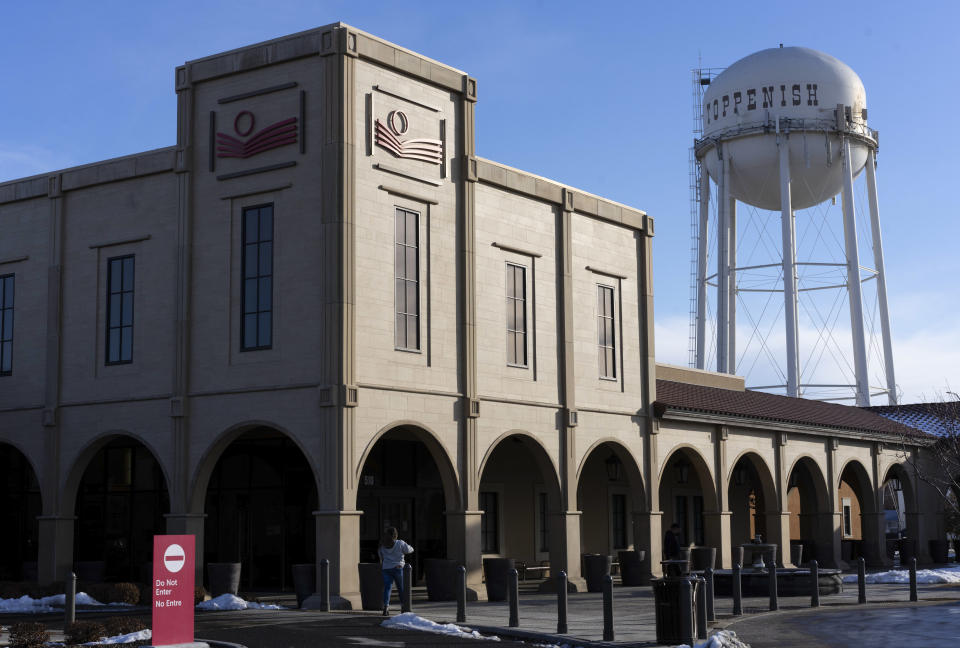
732, 290
702, 268
723, 268
789, 252
881, 276
853, 282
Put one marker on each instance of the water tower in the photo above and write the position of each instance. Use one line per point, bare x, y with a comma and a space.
780, 131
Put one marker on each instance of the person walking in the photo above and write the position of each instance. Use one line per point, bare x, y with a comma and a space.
392, 550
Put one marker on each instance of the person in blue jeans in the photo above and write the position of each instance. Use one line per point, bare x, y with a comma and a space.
391, 553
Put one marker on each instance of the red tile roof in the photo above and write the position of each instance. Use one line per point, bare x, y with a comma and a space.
772, 407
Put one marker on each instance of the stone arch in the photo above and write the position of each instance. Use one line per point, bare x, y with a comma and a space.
860, 519
610, 491
200, 478
811, 512
522, 511
21, 502
899, 508
688, 496
752, 501
119, 491
78, 465
257, 487
406, 479
430, 439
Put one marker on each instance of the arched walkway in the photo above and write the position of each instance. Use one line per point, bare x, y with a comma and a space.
609, 492
688, 497
860, 521
406, 481
259, 504
899, 512
751, 496
811, 513
520, 498
20, 505
121, 499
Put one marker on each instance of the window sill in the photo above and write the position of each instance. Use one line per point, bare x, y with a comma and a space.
418, 351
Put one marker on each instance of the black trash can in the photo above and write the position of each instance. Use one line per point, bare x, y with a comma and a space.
224, 578
371, 586
631, 567
666, 602
595, 567
304, 581
441, 577
495, 571
796, 553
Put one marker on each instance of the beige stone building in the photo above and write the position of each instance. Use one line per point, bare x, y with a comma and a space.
319, 313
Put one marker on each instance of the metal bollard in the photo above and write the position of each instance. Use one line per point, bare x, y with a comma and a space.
562, 603
70, 602
406, 596
772, 585
686, 612
861, 581
737, 596
815, 577
324, 585
701, 602
711, 612
513, 596
608, 608
913, 580
461, 594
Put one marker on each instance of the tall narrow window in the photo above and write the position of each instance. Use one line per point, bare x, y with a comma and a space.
6, 325
847, 517
407, 280
489, 523
516, 315
606, 329
543, 533
618, 520
257, 262
120, 310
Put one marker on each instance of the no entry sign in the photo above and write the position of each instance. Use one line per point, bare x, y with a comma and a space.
173, 567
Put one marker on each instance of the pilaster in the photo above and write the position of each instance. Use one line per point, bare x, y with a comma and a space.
463, 542
55, 554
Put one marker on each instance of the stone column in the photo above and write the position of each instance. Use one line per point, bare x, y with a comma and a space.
829, 536
778, 533
565, 551
55, 548
649, 530
190, 524
874, 539
463, 542
338, 540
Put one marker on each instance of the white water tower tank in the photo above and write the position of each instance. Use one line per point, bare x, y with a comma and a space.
785, 129
795, 83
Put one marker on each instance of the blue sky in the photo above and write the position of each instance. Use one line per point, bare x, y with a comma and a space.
596, 95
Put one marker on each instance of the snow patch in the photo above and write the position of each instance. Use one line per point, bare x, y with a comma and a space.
720, 639
231, 602
140, 635
411, 621
28, 605
902, 576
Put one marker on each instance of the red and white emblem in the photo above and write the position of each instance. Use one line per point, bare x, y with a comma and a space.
273, 136
388, 136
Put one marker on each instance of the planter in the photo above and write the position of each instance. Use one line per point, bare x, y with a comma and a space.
495, 571
796, 553
224, 578
371, 586
736, 554
91, 571
938, 551
703, 558
304, 581
596, 566
441, 577
631, 567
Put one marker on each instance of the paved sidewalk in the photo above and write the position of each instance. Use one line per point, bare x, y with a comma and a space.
634, 621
